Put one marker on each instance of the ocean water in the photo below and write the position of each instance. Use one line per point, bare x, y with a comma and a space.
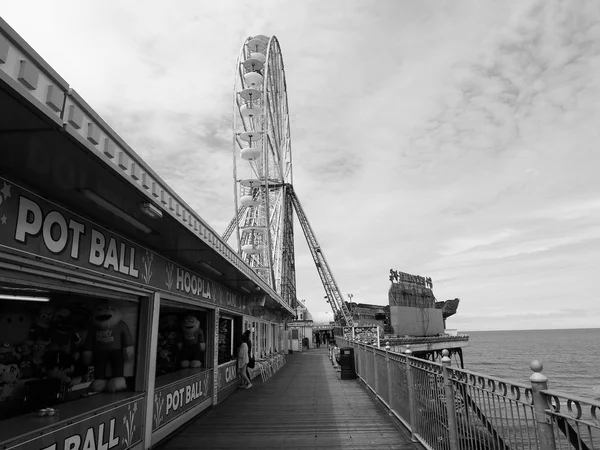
571, 358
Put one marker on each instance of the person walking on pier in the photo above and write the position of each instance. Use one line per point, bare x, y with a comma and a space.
243, 358
317, 340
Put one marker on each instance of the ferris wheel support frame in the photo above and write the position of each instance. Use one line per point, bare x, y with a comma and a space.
334, 294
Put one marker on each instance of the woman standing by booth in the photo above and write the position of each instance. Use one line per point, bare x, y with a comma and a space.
243, 358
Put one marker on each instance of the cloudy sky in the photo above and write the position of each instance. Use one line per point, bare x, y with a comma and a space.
451, 139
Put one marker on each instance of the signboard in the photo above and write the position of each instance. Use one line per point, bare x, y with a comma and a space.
368, 311
115, 429
368, 334
323, 327
175, 399
227, 375
36, 227
403, 277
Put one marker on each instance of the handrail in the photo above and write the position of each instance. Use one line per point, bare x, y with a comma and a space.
464, 409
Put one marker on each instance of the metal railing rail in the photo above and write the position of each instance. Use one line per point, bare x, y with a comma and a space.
448, 408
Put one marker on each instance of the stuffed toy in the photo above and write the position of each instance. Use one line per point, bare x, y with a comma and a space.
8, 353
37, 354
61, 366
63, 335
26, 368
192, 345
6, 391
42, 324
109, 343
8, 375
25, 350
77, 351
173, 340
15, 327
164, 364
168, 322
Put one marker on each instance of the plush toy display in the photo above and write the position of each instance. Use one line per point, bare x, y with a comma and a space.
15, 327
192, 345
14, 330
109, 344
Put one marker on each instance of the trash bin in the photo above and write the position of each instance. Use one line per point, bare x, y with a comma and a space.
305, 343
348, 370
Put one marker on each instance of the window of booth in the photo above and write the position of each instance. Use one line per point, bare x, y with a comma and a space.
254, 332
264, 348
182, 338
64, 348
230, 337
274, 338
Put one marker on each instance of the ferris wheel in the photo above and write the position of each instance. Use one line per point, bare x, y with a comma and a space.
262, 165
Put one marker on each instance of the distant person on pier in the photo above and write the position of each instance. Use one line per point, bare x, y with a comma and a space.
246, 336
318, 340
243, 358
249, 342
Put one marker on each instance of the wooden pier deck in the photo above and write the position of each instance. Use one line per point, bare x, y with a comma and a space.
304, 406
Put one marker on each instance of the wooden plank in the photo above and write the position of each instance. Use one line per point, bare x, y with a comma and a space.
304, 405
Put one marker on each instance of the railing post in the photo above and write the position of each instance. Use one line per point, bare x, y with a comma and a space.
450, 405
411, 396
389, 377
540, 404
356, 356
376, 387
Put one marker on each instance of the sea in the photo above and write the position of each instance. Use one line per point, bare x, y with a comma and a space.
571, 358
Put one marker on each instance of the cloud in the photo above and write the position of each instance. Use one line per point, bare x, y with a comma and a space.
451, 139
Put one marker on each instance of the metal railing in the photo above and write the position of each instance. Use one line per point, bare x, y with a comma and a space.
448, 408
270, 366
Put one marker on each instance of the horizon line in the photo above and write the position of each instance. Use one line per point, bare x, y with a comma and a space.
532, 329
